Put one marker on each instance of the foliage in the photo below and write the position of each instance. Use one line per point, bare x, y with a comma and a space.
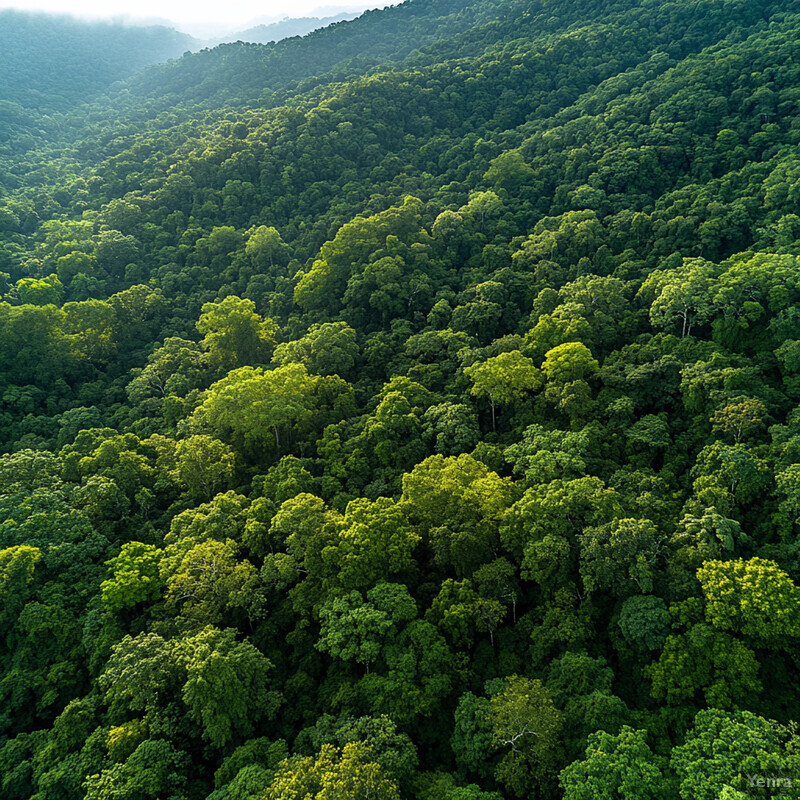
408, 409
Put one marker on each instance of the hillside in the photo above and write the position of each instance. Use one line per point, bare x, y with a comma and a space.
408, 411
51, 63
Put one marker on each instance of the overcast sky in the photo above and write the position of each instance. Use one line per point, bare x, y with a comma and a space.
198, 17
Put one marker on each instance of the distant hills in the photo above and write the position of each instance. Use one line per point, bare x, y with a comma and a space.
53, 62
285, 29
50, 62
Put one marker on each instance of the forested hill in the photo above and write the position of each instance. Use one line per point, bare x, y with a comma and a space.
429, 32
51, 63
409, 411
285, 28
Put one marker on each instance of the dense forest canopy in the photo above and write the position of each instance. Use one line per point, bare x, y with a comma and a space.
408, 410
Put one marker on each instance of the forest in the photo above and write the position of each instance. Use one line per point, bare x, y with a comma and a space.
405, 411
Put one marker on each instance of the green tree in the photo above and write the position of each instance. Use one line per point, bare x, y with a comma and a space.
203, 465
620, 557
329, 348
234, 334
473, 742
753, 597
352, 630
458, 504
374, 542
680, 298
708, 663
460, 613
175, 368
504, 379
17, 565
349, 772
155, 769
134, 577
390, 749
227, 689
620, 766
40, 291
726, 748
250, 407
528, 726
265, 247
451, 428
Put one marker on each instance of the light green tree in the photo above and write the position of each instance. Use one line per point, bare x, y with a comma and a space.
504, 379
234, 334
754, 597
134, 577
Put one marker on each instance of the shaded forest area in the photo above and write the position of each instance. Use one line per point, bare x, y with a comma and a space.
409, 410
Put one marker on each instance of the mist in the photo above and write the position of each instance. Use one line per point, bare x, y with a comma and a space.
203, 21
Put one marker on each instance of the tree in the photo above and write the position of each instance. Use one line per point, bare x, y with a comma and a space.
234, 334
472, 741
620, 556
250, 407
227, 689
528, 726
349, 772
726, 748
253, 762
541, 528
176, 367
16, 573
323, 285
40, 291
374, 542
740, 419
209, 583
545, 455
155, 769
329, 348
480, 207
113, 252
681, 295
509, 170
309, 532
753, 597
352, 630
620, 766
134, 577
567, 367
458, 504
203, 465
451, 428
460, 613
391, 750
421, 673
504, 379
706, 662
393, 432
265, 247
644, 622
143, 673
569, 362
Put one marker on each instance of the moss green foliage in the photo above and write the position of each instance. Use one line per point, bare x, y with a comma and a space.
407, 411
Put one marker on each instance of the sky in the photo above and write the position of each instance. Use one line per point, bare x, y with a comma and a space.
197, 17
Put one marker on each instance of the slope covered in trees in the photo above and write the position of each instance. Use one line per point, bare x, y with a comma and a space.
52, 62
410, 411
